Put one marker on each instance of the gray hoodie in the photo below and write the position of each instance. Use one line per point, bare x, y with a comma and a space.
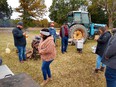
110, 52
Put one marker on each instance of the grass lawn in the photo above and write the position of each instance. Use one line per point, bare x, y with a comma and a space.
68, 70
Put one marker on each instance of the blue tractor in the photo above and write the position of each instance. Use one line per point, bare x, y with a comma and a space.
80, 20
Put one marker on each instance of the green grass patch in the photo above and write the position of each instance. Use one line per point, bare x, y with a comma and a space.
68, 70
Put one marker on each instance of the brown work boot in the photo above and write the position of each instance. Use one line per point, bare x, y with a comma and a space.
96, 70
102, 69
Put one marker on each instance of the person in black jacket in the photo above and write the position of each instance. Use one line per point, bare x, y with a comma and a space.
109, 59
101, 46
20, 41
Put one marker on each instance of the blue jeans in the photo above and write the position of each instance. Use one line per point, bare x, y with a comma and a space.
98, 62
110, 75
21, 52
46, 69
64, 43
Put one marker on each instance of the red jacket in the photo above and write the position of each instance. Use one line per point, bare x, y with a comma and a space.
64, 31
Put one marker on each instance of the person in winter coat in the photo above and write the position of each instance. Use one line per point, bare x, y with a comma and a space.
20, 41
64, 34
102, 42
109, 59
47, 53
52, 31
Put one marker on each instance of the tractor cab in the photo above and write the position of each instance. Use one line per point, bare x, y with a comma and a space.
78, 17
81, 21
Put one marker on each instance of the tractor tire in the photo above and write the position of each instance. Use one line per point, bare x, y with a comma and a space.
81, 28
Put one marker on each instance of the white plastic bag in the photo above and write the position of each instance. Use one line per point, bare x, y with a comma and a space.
7, 50
93, 49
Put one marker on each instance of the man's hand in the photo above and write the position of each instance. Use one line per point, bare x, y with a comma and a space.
95, 39
24, 34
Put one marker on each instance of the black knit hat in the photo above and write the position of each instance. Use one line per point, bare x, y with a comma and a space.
20, 23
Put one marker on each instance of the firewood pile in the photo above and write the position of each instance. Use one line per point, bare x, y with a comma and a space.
33, 54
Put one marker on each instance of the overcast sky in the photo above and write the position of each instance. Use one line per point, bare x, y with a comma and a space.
15, 3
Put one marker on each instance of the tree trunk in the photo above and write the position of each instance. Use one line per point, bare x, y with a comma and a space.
110, 22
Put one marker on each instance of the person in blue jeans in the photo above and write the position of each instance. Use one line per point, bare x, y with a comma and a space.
47, 53
0, 61
98, 63
64, 34
21, 53
109, 59
102, 42
46, 69
64, 42
110, 75
20, 41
